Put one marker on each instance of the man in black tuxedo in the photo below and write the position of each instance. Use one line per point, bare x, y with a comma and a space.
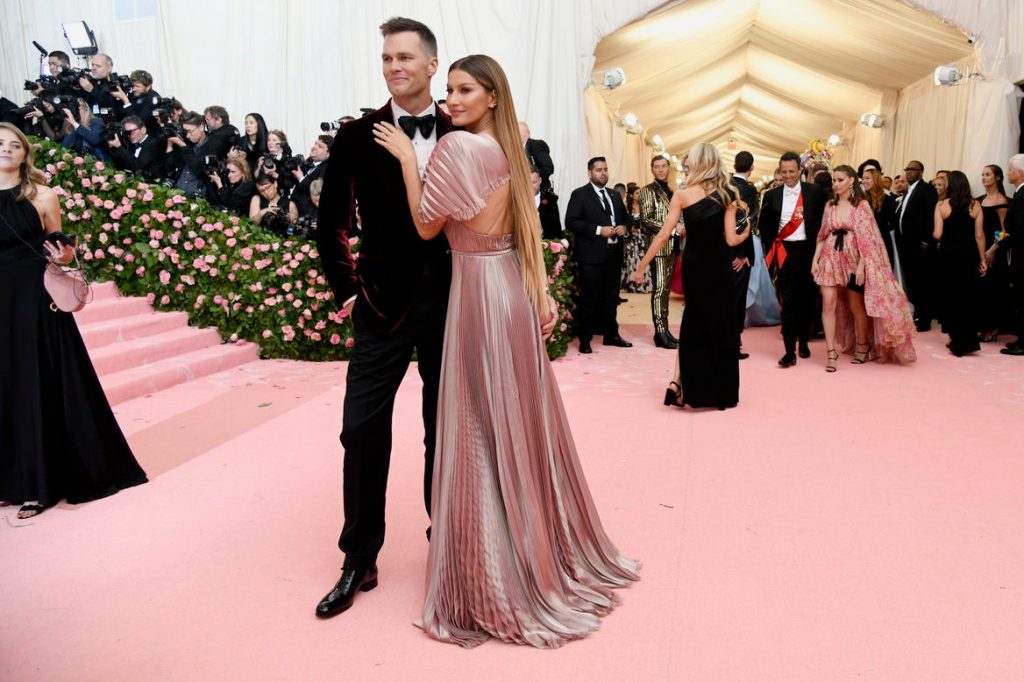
140, 101
547, 207
144, 156
399, 291
598, 219
539, 156
1013, 226
743, 255
223, 135
318, 154
789, 223
915, 220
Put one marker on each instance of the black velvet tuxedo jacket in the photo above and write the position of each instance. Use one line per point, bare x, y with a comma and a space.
584, 214
771, 213
918, 221
393, 260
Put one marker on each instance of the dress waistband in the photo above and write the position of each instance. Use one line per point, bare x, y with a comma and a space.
840, 238
482, 254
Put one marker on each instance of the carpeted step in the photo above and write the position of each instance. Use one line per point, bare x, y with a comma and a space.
100, 334
147, 379
102, 309
147, 350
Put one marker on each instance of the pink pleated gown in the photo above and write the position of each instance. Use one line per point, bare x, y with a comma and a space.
517, 550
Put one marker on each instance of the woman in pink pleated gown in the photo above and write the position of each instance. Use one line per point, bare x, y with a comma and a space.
517, 550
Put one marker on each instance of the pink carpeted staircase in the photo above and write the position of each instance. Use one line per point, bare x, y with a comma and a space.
138, 351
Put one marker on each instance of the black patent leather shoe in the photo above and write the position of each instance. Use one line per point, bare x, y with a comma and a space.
742, 356
805, 352
787, 360
1012, 350
617, 341
341, 597
663, 340
585, 348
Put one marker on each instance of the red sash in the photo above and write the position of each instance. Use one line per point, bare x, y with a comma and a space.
778, 250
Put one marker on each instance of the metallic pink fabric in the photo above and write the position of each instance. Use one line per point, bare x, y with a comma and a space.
517, 550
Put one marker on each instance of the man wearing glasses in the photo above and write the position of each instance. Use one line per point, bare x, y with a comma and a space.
915, 220
145, 153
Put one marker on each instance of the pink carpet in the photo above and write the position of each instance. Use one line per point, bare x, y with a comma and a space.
866, 525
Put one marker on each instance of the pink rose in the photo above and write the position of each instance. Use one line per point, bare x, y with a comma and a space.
267, 334
555, 247
99, 166
150, 298
349, 343
165, 299
335, 339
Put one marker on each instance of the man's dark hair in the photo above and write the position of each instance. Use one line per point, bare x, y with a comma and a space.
744, 162
133, 120
918, 163
789, 156
660, 157
619, 185
326, 139
218, 112
869, 163
403, 25
590, 164
62, 57
193, 119
141, 76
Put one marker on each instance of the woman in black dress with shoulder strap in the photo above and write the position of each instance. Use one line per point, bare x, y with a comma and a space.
994, 309
58, 436
707, 370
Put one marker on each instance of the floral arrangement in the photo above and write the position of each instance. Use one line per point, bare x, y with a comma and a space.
224, 271
817, 152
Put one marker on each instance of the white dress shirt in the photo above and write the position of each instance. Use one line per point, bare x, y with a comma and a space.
790, 195
603, 196
423, 146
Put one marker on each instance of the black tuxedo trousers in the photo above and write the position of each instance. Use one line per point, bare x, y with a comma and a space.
797, 293
599, 295
378, 364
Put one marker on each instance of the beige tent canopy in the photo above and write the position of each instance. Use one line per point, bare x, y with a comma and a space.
770, 75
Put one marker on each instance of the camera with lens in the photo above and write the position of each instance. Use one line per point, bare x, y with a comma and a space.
330, 125
213, 164
292, 163
276, 222
123, 82
112, 130
304, 227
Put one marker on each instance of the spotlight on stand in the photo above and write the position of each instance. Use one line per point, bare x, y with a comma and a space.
609, 78
835, 140
946, 75
80, 38
657, 142
872, 120
631, 123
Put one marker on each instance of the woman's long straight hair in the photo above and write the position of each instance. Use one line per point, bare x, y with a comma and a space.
30, 175
521, 209
708, 171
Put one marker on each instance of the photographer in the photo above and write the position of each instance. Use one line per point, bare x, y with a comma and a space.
85, 131
271, 209
237, 194
61, 78
254, 143
40, 117
143, 154
223, 135
99, 87
307, 174
186, 161
141, 101
278, 163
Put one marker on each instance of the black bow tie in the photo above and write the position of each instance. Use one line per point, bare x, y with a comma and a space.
409, 124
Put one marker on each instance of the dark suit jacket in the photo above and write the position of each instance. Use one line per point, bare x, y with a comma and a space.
1013, 226
222, 140
393, 259
539, 155
918, 222
584, 215
150, 162
771, 213
143, 108
300, 195
748, 193
550, 222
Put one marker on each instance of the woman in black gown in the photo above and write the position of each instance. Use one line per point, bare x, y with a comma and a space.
960, 233
994, 310
707, 370
58, 436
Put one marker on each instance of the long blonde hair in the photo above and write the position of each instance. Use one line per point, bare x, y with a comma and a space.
708, 171
521, 209
30, 175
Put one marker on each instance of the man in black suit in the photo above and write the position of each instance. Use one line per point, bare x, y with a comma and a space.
399, 291
1013, 226
789, 223
305, 176
144, 156
223, 135
743, 255
140, 101
539, 156
915, 220
547, 207
597, 217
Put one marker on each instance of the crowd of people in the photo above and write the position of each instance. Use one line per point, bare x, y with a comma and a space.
124, 120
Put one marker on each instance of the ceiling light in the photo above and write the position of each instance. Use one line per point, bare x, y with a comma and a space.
656, 141
872, 120
834, 139
946, 75
610, 78
630, 119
